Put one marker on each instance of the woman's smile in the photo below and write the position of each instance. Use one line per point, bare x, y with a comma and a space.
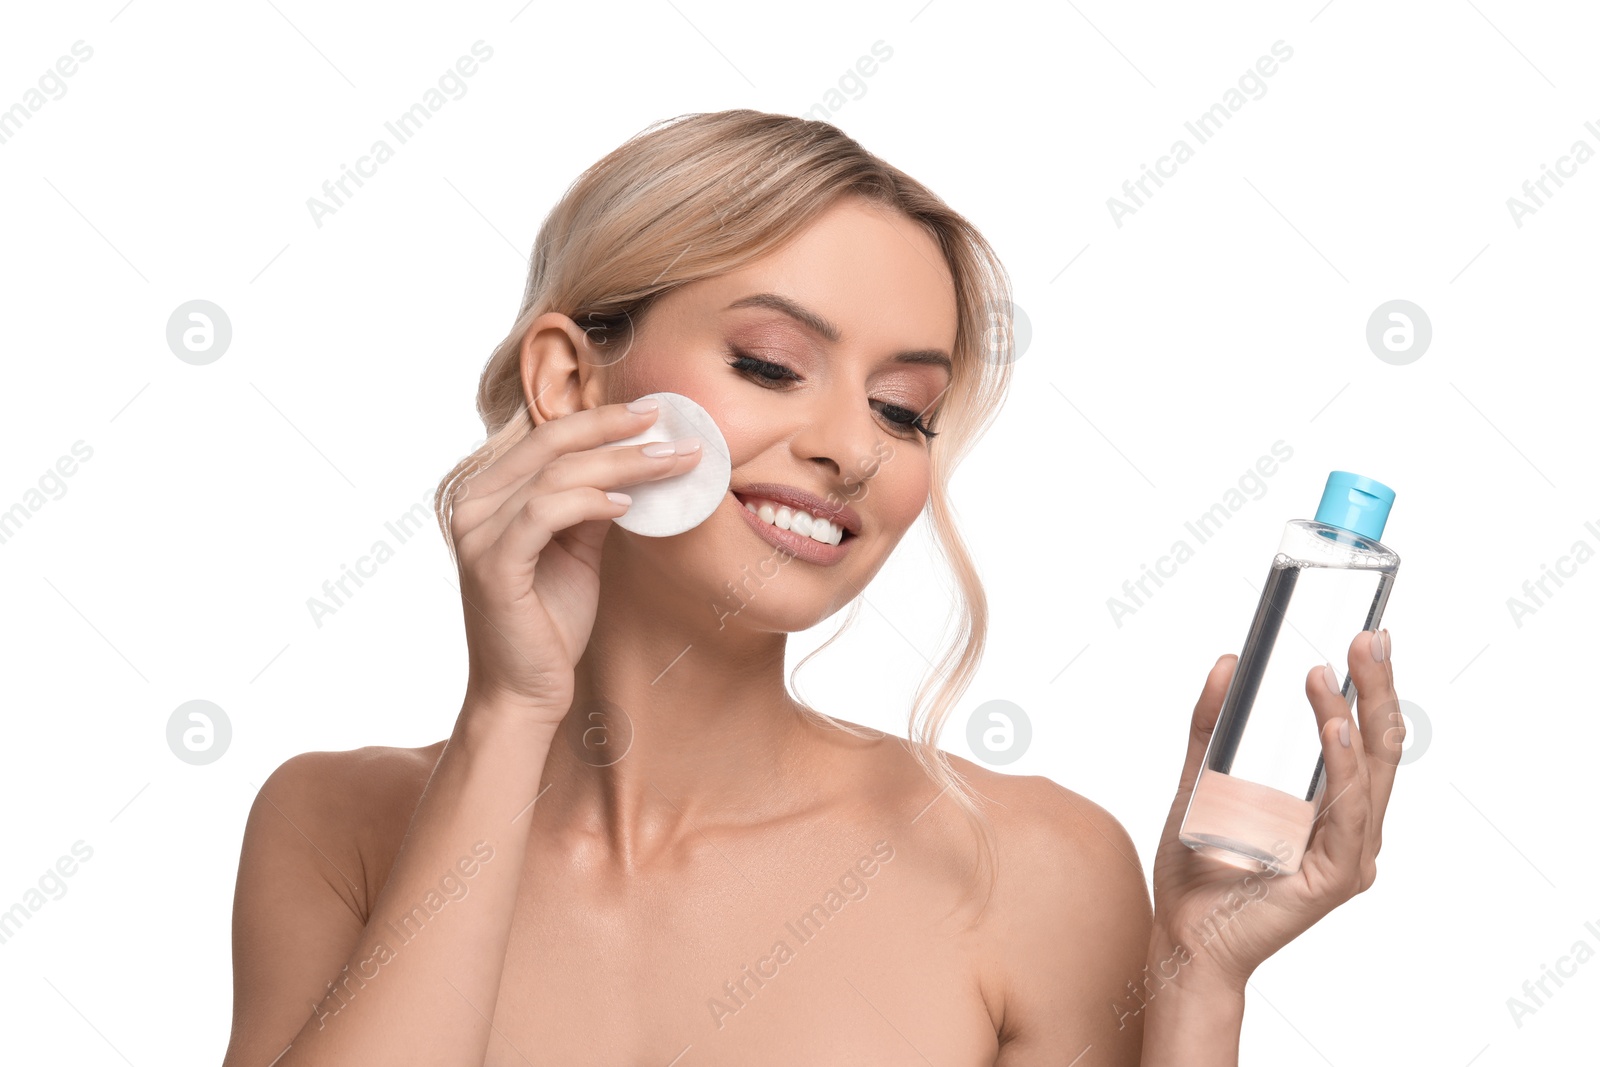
783, 534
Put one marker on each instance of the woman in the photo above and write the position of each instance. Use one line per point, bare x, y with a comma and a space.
636, 847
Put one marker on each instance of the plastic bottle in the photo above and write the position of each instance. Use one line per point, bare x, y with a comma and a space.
1259, 790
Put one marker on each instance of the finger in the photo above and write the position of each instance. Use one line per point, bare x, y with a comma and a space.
1383, 729
578, 430
543, 517
1204, 719
602, 468
1202, 723
1340, 825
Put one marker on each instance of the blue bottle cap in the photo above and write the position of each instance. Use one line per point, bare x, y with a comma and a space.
1352, 502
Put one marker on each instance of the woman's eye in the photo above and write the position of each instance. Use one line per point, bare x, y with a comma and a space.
770, 374
910, 419
761, 369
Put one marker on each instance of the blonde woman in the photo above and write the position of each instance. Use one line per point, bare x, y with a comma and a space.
636, 846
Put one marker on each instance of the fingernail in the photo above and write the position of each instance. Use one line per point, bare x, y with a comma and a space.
686, 445
1331, 678
1388, 645
639, 407
1376, 646
622, 499
1344, 731
658, 448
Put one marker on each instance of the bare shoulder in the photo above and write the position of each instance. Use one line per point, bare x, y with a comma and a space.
1048, 836
1054, 836
318, 843
356, 768
1067, 923
353, 805
354, 771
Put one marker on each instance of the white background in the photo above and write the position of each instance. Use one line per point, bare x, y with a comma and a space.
1166, 356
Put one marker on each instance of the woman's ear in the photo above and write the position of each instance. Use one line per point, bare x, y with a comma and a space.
554, 370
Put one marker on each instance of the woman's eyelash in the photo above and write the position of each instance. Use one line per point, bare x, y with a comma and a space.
770, 374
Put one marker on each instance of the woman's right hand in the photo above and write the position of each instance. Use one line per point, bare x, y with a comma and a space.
528, 530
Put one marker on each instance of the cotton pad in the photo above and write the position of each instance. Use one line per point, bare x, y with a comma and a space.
666, 506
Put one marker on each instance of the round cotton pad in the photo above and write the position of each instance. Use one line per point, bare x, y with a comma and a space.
667, 506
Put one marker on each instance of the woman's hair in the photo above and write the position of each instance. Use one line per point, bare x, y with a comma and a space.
703, 194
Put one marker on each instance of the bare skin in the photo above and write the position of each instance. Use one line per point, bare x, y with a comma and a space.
650, 907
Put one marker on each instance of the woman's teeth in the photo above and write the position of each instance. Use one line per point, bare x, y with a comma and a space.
803, 523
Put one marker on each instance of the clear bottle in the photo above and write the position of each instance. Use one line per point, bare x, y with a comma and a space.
1258, 791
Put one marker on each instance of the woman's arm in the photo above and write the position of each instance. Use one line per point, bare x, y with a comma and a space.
1189, 1023
1071, 922
1093, 977
416, 983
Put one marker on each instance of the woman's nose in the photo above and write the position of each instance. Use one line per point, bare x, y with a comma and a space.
840, 433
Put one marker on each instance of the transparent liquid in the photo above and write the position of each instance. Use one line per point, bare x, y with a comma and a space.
1255, 801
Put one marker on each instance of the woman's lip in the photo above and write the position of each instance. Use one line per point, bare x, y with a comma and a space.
842, 515
801, 547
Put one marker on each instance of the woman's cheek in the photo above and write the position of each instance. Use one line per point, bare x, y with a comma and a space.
902, 485
742, 420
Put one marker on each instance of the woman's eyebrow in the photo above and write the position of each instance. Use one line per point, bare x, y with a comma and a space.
827, 330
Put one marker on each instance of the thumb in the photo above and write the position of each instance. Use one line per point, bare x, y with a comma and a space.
1204, 720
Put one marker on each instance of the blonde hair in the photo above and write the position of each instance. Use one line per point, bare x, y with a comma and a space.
702, 194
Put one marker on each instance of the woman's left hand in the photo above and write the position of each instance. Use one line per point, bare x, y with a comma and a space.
1216, 923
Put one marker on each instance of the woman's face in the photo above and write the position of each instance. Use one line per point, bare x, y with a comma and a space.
812, 361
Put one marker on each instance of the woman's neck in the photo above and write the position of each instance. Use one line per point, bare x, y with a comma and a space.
677, 721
